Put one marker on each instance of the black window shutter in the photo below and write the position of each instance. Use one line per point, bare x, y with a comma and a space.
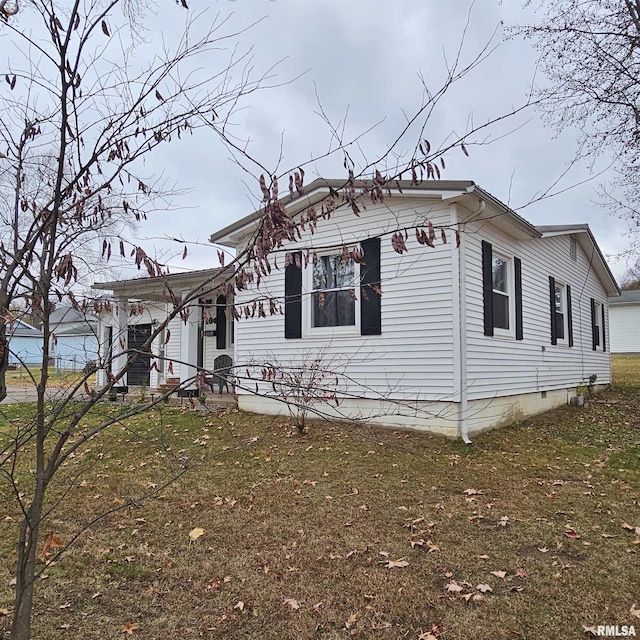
487, 286
594, 333
604, 333
370, 308
569, 317
221, 322
552, 301
517, 267
293, 297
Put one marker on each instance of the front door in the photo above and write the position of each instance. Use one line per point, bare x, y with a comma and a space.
138, 374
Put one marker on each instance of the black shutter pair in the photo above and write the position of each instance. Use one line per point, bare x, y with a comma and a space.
487, 287
370, 308
594, 328
553, 317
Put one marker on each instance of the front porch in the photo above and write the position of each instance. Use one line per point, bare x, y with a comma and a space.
186, 353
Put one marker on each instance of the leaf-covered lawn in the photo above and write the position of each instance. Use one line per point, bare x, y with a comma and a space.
528, 533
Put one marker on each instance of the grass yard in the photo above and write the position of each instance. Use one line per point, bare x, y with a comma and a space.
529, 533
22, 378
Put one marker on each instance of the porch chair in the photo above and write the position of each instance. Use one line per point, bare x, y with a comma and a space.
221, 372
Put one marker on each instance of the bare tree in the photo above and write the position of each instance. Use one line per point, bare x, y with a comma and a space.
630, 280
79, 114
589, 52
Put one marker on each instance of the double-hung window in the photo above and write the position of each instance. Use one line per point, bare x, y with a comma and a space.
598, 335
502, 293
561, 315
560, 297
333, 297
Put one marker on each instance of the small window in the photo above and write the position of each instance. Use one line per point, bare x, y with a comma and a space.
597, 325
561, 307
333, 298
501, 297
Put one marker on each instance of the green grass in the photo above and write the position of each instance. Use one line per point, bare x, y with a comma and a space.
311, 521
23, 377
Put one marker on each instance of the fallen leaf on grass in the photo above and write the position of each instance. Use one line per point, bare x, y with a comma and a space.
294, 604
396, 564
129, 627
504, 521
634, 611
453, 587
212, 584
4, 612
353, 618
517, 587
51, 541
543, 549
499, 574
484, 588
592, 630
194, 534
239, 605
476, 597
471, 492
628, 527
427, 636
570, 533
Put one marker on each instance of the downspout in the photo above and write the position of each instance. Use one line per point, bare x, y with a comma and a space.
462, 288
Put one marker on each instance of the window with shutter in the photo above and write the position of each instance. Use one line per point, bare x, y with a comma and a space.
502, 292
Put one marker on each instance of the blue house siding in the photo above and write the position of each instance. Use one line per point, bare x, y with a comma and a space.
73, 352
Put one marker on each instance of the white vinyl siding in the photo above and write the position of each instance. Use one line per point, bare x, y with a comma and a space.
625, 328
413, 356
498, 366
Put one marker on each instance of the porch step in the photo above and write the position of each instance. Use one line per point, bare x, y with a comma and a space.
169, 384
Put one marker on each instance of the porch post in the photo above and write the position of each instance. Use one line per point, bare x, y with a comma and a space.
120, 311
189, 344
157, 349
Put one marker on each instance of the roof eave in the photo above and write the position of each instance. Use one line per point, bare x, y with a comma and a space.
233, 234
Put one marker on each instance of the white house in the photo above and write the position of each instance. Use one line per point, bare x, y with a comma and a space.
501, 321
135, 308
624, 318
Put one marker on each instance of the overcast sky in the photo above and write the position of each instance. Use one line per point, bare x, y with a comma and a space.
364, 60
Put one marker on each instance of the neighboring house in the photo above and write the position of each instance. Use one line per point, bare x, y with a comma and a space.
25, 344
504, 320
75, 337
624, 318
135, 308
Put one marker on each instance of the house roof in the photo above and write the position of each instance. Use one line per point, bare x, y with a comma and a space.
465, 192
64, 315
448, 190
626, 297
22, 329
586, 240
156, 288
